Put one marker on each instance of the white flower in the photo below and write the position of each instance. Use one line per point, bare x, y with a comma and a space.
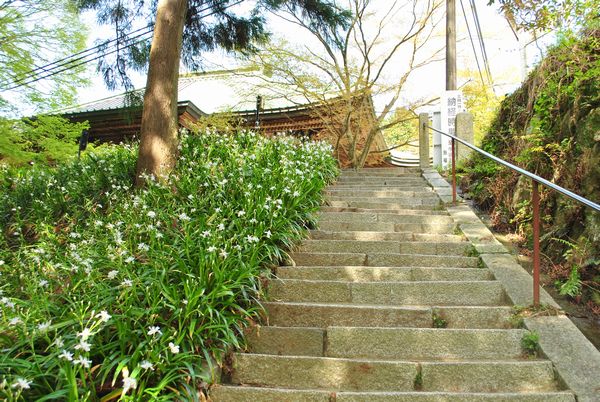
2, 262
21, 383
143, 247
241, 213
296, 193
83, 345
127, 283
211, 249
190, 197
129, 383
268, 234
223, 253
129, 259
151, 214
252, 239
74, 235
83, 362
154, 330
205, 234
43, 283
66, 355
146, 365
112, 274
14, 321
103, 315
174, 348
253, 220
6, 301
58, 342
183, 216
85, 334
221, 226
43, 327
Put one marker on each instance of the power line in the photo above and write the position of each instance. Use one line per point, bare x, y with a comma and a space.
67, 62
50, 66
481, 41
472, 43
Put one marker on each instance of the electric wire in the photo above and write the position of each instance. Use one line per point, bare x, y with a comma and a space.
481, 41
472, 43
82, 54
69, 62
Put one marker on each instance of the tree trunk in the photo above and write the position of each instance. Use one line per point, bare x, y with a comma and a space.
158, 133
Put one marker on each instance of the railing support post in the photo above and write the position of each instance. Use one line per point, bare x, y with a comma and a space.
535, 201
453, 150
424, 140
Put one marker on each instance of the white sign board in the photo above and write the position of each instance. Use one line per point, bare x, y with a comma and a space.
452, 104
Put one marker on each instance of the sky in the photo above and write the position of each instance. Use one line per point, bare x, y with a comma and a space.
503, 49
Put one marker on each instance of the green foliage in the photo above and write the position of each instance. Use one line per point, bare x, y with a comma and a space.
226, 29
549, 14
530, 342
439, 322
481, 102
549, 126
108, 292
43, 139
402, 127
35, 33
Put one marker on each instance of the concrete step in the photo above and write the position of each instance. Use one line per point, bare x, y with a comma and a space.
381, 186
384, 246
384, 211
385, 274
388, 343
341, 374
382, 236
384, 218
332, 374
229, 393
496, 376
404, 202
382, 181
382, 204
390, 170
388, 193
388, 227
423, 343
380, 174
382, 260
322, 315
425, 293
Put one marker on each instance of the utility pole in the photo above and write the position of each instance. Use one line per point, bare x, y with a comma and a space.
450, 45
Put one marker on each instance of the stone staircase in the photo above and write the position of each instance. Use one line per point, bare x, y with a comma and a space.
387, 302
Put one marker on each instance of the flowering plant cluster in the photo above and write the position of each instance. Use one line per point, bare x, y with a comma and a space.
111, 293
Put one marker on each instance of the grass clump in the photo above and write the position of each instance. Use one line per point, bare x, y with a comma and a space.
530, 342
111, 293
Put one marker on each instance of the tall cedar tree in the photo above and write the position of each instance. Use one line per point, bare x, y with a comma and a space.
183, 29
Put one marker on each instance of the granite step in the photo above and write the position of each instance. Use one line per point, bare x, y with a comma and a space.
424, 293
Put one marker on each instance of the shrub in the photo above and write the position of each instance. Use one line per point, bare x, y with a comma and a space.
115, 293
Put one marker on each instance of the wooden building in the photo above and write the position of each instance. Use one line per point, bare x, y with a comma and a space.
231, 93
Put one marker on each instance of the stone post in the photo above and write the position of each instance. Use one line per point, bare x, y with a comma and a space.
464, 131
423, 140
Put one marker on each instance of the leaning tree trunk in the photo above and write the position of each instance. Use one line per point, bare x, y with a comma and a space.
158, 133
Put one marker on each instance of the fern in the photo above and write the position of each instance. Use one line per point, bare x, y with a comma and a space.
572, 286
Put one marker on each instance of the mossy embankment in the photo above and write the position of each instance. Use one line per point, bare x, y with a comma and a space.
551, 126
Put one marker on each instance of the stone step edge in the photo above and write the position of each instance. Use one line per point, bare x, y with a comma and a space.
317, 395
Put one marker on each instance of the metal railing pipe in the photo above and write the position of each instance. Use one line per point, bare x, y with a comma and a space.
535, 201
